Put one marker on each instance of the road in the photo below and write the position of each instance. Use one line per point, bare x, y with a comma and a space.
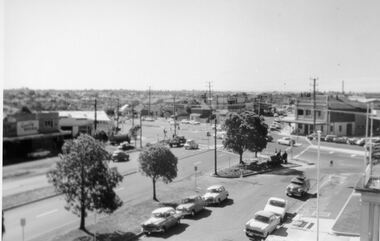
249, 195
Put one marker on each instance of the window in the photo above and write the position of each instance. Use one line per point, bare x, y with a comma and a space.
318, 113
300, 126
300, 112
340, 128
331, 128
322, 128
49, 123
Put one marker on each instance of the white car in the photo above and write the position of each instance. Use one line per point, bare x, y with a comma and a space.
193, 122
191, 144
286, 141
278, 206
215, 194
262, 224
184, 121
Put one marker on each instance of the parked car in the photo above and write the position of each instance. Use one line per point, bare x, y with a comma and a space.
330, 138
286, 141
340, 139
269, 138
119, 156
185, 121
191, 205
352, 140
262, 224
314, 136
125, 146
161, 220
298, 186
215, 195
278, 206
193, 122
191, 144
360, 142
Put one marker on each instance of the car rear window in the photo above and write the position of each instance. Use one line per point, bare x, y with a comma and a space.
277, 203
262, 219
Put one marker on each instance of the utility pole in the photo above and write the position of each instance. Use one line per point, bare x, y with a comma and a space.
140, 131
149, 103
343, 87
95, 121
314, 105
117, 115
209, 93
175, 117
215, 156
133, 116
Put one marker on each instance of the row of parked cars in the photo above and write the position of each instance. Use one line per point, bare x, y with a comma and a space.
166, 217
343, 139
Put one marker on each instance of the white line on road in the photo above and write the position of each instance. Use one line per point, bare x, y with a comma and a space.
46, 213
300, 154
331, 152
119, 189
353, 155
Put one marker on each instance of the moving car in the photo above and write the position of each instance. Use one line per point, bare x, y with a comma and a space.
286, 141
161, 220
191, 144
278, 206
262, 224
177, 141
191, 205
215, 195
119, 156
298, 186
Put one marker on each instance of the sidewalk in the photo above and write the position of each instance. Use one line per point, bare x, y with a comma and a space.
303, 229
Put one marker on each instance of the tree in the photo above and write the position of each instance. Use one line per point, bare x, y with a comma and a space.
158, 162
245, 131
134, 131
83, 176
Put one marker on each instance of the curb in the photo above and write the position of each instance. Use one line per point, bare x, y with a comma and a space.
53, 195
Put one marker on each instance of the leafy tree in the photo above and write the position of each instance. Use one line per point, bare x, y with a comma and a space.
158, 162
245, 131
83, 176
134, 131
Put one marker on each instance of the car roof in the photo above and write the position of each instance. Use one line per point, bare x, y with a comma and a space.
214, 187
264, 213
163, 210
276, 199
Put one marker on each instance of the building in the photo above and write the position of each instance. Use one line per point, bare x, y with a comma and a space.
84, 122
335, 115
369, 188
26, 133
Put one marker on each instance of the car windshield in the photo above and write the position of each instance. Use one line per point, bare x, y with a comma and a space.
158, 215
214, 190
277, 203
297, 182
188, 200
262, 219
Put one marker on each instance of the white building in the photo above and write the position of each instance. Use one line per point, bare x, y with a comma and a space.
83, 122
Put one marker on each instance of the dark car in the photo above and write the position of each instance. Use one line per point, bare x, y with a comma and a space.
120, 156
125, 146
177, 141
299, 186
330, 138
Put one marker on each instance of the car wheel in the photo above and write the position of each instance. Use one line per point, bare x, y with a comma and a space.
164, 229
193, 213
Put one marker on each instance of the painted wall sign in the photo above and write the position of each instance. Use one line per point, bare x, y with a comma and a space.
28, 127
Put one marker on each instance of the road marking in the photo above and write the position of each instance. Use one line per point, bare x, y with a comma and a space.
353, 155
300, 154
331, 152
119, 189
46, 213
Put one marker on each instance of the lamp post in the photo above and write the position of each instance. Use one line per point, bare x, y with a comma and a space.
318, 164
215, 161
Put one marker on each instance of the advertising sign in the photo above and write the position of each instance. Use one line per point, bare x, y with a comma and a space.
28, 127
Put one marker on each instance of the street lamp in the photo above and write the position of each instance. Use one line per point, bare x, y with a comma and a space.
318, 164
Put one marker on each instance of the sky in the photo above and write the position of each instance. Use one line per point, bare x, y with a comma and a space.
237, 45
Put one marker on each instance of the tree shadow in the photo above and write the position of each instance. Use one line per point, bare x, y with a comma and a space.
202, 214
115, 236
305, 197
226, 202
172, 231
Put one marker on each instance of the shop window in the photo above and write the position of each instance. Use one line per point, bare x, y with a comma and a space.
300, 112
340, 128
49, 123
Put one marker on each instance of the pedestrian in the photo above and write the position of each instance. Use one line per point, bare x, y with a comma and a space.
285, 157
331, 163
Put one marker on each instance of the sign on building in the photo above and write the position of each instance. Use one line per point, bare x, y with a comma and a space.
28, 127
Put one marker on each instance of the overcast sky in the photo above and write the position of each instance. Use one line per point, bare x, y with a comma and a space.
242, 45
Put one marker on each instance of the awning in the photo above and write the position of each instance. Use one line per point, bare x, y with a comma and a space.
306, 122
36, 136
